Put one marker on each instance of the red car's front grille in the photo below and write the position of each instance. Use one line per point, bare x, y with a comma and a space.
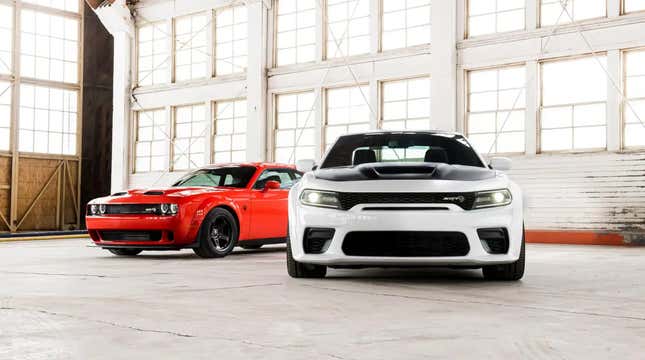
130, 235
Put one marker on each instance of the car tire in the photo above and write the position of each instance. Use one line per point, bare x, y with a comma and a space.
302, 271
508, 272
217, 235
250, 247
125, 252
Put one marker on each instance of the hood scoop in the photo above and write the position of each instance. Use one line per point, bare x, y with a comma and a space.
397, 171
153, 192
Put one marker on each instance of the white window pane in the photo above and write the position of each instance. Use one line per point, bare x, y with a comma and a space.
590, 137
634, 106
495, 16
557, 117
573, 81
347, 28
231, 40
42, 54
496, 102
586, 115
406, 104
557, 139
634, 5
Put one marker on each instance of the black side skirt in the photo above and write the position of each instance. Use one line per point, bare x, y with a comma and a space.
262, 241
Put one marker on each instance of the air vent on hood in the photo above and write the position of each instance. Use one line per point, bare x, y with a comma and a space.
153, 192
121, 193
404, 170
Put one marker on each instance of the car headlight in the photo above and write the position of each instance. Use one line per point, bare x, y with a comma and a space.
486, 199
319, 198
94, 209
169, 209
102, 209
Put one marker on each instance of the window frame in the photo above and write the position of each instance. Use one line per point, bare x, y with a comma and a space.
213, 117
275, 32
539, 24
540, 106
381, 97
624, 108
467, 111
208, 29
171, 54
274, 126
325, 33
173, 134
623, 8
213, 41
325, 111
467, 34
134, 133
381, 15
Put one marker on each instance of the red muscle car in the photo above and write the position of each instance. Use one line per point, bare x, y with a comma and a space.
210, 210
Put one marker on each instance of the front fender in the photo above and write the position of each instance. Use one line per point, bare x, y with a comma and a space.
207, 205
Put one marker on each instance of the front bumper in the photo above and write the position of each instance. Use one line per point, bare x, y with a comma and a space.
358, 218
174, 232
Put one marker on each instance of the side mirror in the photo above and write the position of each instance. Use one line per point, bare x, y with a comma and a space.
501, 163
305, 165
271, 185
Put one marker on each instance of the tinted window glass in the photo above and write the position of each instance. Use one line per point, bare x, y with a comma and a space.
353, 150
237, 177
286, 178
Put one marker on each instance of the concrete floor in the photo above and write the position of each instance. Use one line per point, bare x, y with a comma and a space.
66, 300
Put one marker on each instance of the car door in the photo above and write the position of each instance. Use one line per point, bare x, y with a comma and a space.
269, 206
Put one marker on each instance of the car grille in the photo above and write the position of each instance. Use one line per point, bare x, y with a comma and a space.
118, 209
405, 243
127, 235
349, 200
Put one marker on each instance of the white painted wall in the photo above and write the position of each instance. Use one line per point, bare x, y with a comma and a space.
598, 191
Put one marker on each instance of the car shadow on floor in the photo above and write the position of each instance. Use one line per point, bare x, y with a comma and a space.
188, 254
412, 276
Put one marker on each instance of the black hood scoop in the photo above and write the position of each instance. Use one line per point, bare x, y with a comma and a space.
405, 171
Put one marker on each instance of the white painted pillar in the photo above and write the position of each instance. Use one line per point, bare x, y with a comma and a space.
256, 84
613, 8
121, 110
374, 25
319, 95
531, 14
532, 107
443, 68
614, 100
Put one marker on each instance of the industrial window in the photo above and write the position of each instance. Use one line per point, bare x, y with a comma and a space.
6, 38
296, 28
573, 110
151, 143
347, 112
191, 47
405, 23
153, 54
190, 132
348, 27
295, 134
552, 11
5, 115
406, 104
634, 5
49, 47
67, 5
230, 131
495, 16
48, 118
635, 93
496, 109
231, 45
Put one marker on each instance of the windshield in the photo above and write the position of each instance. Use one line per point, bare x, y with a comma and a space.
353, 150
238, 177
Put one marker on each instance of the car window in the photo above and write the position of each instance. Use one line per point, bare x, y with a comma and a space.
353, 150
286, 177
234, 176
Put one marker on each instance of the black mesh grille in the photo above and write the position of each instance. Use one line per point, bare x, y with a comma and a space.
127, 235
113, 209
495, 240
317, 240
349, 200
405, 243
